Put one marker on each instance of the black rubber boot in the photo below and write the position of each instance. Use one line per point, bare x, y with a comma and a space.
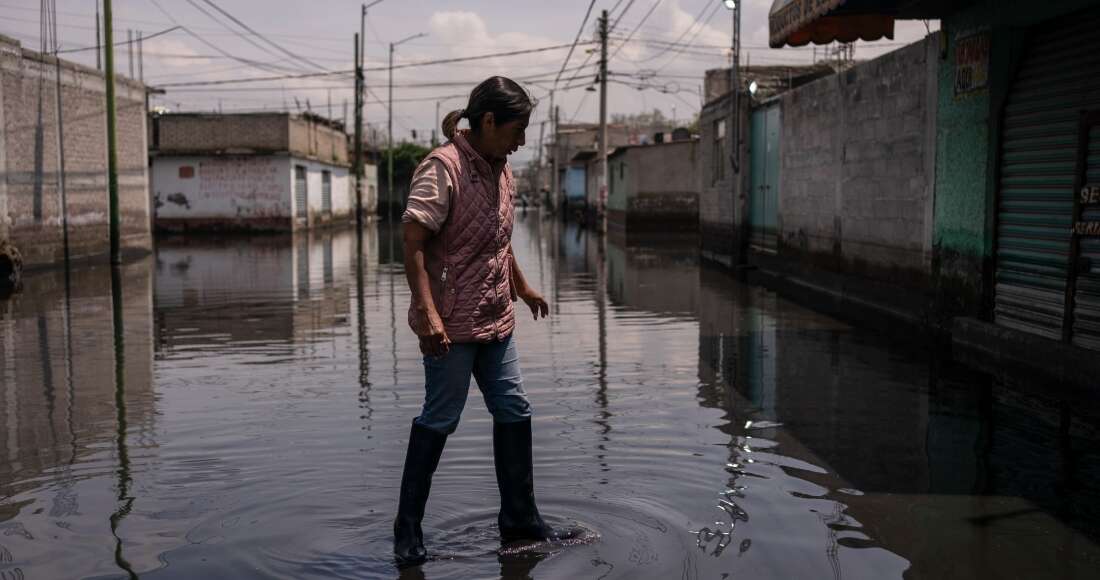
425, 447
519, 517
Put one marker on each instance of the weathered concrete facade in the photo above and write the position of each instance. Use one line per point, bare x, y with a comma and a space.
270, 171
722, 193
37, 199
654, 188
856, 174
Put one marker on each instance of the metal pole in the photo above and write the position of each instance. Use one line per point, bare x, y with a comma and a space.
436, 126
555, 178
735, 95
61, 149
140, 59
538, 165
130, 49
112, 138
357, 163
602, 204
98, 44
389, 141
553, 156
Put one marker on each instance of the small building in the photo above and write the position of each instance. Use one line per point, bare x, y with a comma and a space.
580, 179
575, 156
962, 167
253, 171
723, 187
53, 157
654, 189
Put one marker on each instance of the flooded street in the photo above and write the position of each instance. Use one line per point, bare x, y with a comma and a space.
254, 421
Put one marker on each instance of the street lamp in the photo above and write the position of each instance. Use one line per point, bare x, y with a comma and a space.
389, 125
735, 84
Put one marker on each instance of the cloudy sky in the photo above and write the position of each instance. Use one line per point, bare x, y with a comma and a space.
295, 37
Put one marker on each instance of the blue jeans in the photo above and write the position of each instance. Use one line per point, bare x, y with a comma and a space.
495, 365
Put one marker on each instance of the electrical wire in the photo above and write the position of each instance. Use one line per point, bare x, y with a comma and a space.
372, 69
216, 48
257, 34
121, 42
702, 25
575, 41
631, 35
236, 33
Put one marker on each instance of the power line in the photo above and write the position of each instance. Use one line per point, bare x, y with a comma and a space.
216, 48
122, 42
631, 35
575, 41
702, 25
234, 32
590, 54
260, 36
686, 30
620, 16
373, 69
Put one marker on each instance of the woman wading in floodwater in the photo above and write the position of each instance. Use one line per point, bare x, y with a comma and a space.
464, 279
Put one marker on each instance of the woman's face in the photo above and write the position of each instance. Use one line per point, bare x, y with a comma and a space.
502, 140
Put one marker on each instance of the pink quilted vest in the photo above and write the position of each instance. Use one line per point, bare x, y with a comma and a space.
468, 262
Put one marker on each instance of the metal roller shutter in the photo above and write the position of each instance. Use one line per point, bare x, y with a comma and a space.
1086, 311
1038, 174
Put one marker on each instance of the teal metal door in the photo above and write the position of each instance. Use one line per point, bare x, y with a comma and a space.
764, 178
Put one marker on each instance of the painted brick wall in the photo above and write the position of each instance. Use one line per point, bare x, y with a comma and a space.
857, 173
30, 198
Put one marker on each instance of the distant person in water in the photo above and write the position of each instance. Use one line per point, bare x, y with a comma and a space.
464, 279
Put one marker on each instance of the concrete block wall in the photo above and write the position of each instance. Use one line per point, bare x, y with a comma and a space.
31, 209
656, 187
319, 142
182, 133
857, 168
721, 201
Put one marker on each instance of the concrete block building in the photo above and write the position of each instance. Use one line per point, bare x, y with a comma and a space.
53, 156
256, 172
654, 189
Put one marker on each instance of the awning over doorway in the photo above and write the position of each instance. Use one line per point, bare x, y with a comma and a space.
800, 22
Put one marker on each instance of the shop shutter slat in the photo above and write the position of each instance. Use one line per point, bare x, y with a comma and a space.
1086, 310
1059, 77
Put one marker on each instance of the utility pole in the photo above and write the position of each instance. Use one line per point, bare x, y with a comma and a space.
538, 164
112, 138
554, 177
140, 59
98, 44
435, 127
130, 49
357, 163
602, 204
389, 142
389, 128
735, 95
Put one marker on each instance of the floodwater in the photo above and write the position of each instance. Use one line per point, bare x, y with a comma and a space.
251, 420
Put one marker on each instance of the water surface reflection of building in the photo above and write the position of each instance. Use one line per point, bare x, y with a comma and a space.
69, 384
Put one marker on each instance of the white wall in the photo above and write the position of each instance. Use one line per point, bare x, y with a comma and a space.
341, 183
236, 187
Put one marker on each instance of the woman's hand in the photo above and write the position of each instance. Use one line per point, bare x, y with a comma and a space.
535, 302
433, 335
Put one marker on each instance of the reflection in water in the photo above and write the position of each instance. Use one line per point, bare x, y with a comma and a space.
125, 500
703, 428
